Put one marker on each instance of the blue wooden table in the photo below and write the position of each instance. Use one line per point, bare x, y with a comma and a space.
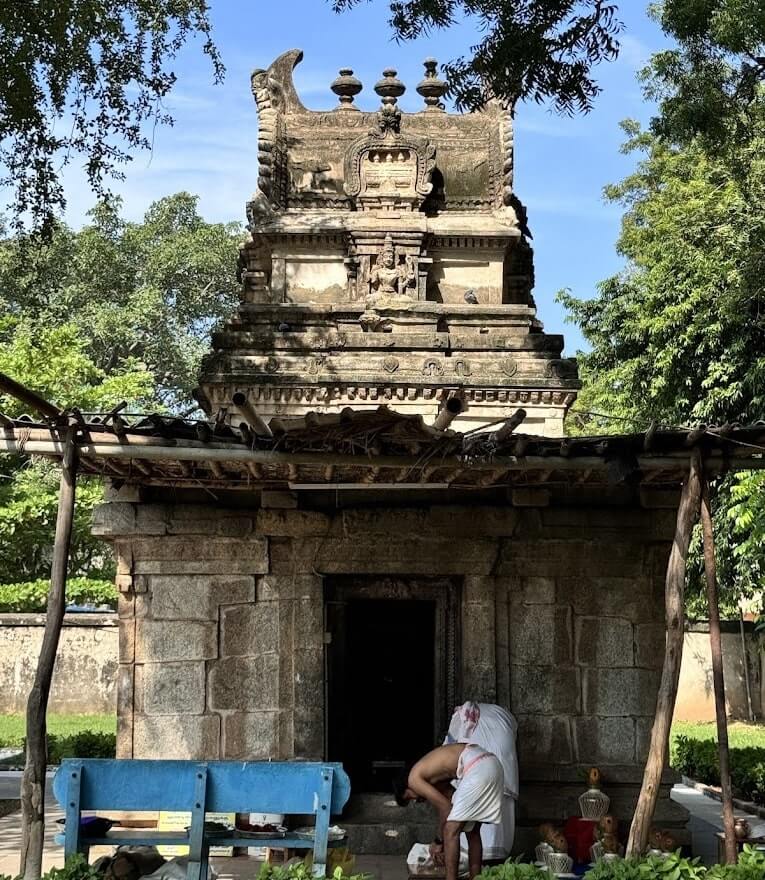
87, 785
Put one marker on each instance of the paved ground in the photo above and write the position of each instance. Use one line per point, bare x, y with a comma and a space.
706, 819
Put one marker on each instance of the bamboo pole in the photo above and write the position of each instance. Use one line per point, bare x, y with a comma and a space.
29, 397
687, 513
33, 781
718, 678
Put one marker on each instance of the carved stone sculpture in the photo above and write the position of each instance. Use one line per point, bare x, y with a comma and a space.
390, 278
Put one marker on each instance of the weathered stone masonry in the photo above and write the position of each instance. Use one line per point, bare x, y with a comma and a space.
221, 627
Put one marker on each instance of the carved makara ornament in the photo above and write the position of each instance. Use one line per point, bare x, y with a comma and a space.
389, 277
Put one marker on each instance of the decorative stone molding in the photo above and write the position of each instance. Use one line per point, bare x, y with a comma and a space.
385, 169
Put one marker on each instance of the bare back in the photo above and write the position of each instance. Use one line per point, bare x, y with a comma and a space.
439, 765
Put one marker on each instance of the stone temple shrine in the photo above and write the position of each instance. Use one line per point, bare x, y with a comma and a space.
350, 545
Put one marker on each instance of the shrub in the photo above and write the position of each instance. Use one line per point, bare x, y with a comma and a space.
699, 759
514, 870
76, 868
85, 744
301, 871
32, 596
751, 866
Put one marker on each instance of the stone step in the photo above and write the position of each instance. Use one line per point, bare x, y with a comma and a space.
377, 838
382, 807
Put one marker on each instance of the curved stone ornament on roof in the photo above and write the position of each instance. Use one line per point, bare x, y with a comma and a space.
306, 156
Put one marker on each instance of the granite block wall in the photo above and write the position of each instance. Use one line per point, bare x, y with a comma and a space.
222, 628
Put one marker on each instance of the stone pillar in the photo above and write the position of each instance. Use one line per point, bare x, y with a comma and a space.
293, 583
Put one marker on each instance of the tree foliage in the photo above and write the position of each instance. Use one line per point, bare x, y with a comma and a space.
535, 50
117, 311
84, 81
140, 295
709, 84
678, 337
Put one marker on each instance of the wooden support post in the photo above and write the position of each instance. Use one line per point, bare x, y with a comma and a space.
718, 679
687, 513
33, 781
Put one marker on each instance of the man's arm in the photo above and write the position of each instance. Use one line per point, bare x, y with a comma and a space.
432, 793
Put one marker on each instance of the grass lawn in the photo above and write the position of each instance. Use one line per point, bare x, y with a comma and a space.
12, 726
740, 733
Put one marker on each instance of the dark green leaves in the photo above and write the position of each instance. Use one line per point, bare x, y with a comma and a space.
535, 50
82, 79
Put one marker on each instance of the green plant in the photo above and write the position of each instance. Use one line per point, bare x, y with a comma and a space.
300, 871
86, 744
751, 866
514, 870
672, 867
699, 759
32, 596
619, 869
76, 868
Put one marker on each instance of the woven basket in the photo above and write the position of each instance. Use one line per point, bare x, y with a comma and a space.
559, 863
593, 804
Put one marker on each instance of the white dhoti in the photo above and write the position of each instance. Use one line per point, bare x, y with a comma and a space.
493, 728
480, 787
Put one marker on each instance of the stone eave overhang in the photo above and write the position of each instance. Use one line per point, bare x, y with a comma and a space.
320, 223
382, 449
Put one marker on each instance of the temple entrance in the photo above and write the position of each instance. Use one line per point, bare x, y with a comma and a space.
391, 673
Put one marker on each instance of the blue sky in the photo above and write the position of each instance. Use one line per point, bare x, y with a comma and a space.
562, 164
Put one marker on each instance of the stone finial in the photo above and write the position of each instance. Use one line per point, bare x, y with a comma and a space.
390, 88
431, 87
346, 87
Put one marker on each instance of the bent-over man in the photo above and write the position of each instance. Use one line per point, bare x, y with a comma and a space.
465, 784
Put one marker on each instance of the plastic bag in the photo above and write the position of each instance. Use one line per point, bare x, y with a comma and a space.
176, 869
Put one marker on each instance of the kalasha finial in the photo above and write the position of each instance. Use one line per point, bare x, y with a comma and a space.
346, 87
432, 88
390, 88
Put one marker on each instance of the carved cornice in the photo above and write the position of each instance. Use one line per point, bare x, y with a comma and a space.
340, 394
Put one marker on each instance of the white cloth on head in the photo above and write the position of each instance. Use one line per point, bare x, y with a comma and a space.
494, 729
480, 784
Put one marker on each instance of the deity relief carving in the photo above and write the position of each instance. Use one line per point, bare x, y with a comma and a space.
462, 368
390, 277
433, 367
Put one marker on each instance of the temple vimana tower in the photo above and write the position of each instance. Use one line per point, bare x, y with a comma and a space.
320, 570
387, 264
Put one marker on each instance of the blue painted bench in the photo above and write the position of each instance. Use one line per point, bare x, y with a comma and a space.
86, 785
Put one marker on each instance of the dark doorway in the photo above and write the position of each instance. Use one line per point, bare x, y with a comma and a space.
389, 675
